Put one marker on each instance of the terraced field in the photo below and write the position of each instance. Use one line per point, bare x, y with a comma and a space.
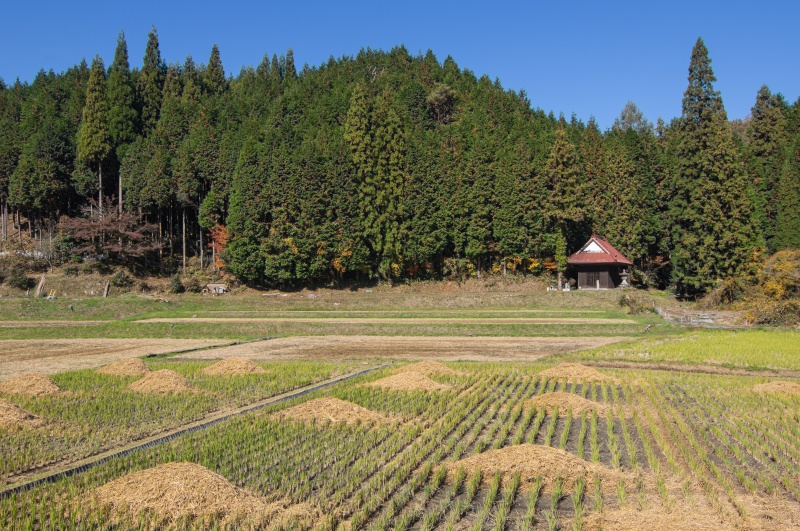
476, 446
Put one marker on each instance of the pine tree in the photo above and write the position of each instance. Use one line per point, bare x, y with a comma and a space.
289, 69
566, 210
787, 226
711, 225
214, 74
766, 152
93, 136
151, 83
122, 115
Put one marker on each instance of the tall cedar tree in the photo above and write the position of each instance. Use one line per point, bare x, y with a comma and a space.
123, 119
787, 233
712, 230
214, 75
11, 100
566, 208
766, 152
151, 83
94, 142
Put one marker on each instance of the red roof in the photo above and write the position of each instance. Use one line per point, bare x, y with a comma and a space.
606, 255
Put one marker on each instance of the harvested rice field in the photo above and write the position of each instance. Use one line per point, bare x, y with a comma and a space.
432, 446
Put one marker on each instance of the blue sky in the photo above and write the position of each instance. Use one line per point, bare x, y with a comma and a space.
587, 58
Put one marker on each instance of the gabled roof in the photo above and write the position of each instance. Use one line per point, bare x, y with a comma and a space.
598, 251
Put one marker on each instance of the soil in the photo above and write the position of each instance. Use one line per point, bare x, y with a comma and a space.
427, 368
175, 490
50, 356
234, 366
678, 518
532, 460
125, 367
333, 410
11, 415
398, 320
442, 348
162, 382
575, 372
566, 401
785, 388
30, 384
409, 381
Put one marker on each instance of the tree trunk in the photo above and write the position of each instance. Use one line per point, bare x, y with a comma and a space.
479, 268
200, 239
560, 286
160, 246
19, 226
120, 195
5, 219
183, 237
100, 190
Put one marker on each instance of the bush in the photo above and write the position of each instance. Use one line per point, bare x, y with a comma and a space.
635, 305
18, 280
193, 284
175, 284
121, 279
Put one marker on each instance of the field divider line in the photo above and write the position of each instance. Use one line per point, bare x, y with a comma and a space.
210, 347
156, 440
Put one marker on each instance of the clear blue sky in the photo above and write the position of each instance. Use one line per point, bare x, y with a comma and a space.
587, 58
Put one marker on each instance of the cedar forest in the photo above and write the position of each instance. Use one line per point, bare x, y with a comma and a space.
385, 165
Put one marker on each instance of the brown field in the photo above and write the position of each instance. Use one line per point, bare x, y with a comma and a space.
50, 356
441, 348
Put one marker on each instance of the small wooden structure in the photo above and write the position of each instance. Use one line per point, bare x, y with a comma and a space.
600, 265
216, 289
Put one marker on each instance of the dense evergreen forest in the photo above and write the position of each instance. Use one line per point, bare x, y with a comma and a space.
384, 165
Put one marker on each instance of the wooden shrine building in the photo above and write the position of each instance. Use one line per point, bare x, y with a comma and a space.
599, 265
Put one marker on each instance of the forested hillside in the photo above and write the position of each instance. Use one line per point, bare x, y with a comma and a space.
384, 164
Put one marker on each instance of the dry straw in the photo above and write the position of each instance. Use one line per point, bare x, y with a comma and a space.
11, 415
575, 372
233, 366
427, 368
567, 401
29, 384
125, 367
533, 460
409, 381
162, 382
176, 490
332, 409
786, 388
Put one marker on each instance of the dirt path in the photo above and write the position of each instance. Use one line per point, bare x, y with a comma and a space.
48, 324
441, 348
50, 356
397, 320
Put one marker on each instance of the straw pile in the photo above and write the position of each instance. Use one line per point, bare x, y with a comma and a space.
785, 388
29, 384
333, 410
177, 490
408, 381
233, 366
532, 460
629, 519
125, 367
427, 368
575, 372
11, 415
566, 401
162, 382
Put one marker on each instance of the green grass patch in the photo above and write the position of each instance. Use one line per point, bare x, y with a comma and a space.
743, 349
